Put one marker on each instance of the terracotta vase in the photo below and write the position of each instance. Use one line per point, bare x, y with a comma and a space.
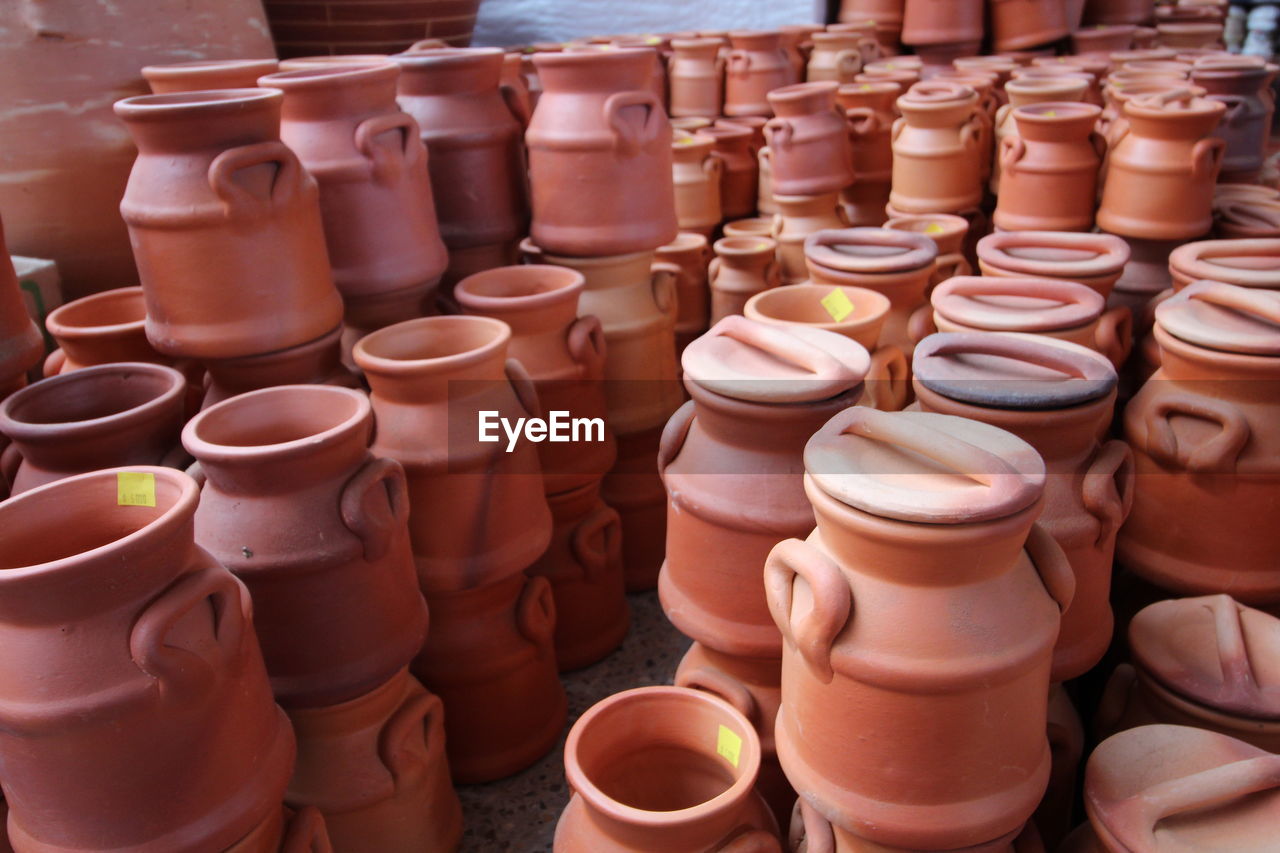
948, 232
514, 87
375, 198
742, 267
101, 328
696, 173
1244, 85
885, 14
1161, 171
1050, 169
1059, 398
756, 66
205, 74
931, 22
870, 110
1055, 816
1019, 24
797, 43
897, 264
837, 56
808, 140
1243, 263
813, 833
937, 150
949, 703
599, 156
663, 768
1103, 38
1094, 260
690, 254
316, 528
161, 685
1205, 448
564, 355
375, 767
797, 219
1121, 12
100, 417
490, 657
1025, 92
634, 489
430, 379
696, 76
317, 362
740, 172
21, 346
474, 151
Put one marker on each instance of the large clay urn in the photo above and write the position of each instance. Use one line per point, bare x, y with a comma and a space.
809, 140
813, 833
757, 65
317, 362
1206, 448
943, 22
201, 75
742, 267
691, 255
316, 527
1244, 263
799, 217
474, 153
836, 56
1118, 12
1023, 92
1095, 260
600, 156
1059, 398
663, 768
1162, 168
430, 380
225, 225
1244, 85
1049, 170
375, 198
886, 15
870, 109
100, 328
21, 346
1021, 24
740, 170
100, 417
938, 149
695, 75
696, 173
159, 733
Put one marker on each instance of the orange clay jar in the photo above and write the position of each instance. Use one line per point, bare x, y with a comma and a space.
809, 140
1094, 260
696, 173
870, 110
948, 232
938, 150
1023, 92
1049, 170
742, 267
695, 75
757, 65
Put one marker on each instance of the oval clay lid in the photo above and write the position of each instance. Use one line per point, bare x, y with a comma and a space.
1055, 254
1224, 317
1251, 262
870, 250
999, 304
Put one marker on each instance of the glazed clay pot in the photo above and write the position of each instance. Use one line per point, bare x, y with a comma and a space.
740, 170
375, 767
933, 22
101, 328
205, 74
474, 150
430, 379
1019, 24
897, 264
797, 219
948, 233
599, 156
375, 198
808, 140
870, 110
1094, 260
1059, 398
225, 224
563, 354
696, 78
162, 686
937, 150
490, 658
1023, 93
757, 65
690, 254
21, 345
1243, 263
315, 526
742, 267
913, 617
100, 417
663, 768
1245, 87
1161, 171
837, 56
1049, 171
695, 173
1205, 447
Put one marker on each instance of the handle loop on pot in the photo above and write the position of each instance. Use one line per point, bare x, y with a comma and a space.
587, 345
375, 504
663, 276
1012, 150
1206, 158
888, 381
863, 121
1217, 455
536, 614
405, 742
387, 166
306, 833
810, 831
629, 137
236, 200
674, 434
515, 105
751, 841
522, 384
1114, 704
814, 635
1107, 490
1051, 564
602, 521
725, 686
1114, 334
1243, 300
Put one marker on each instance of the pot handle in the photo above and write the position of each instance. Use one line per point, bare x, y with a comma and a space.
810, 831
1001, 115
814, 635
663, 276
1099, 143
1107, 490
522, 384
863, 121
1114, 703
739, 62
306, 833
10, 461
1241, 299
516, 105
53, 363
674, 434
1233, 653
1114, 334
898, 124
629, 137
713, 271
375, 504
971, 132
848, 63
587, 345
776, 342
921, 323
721, 684
604, 521
713, 167
236, 200
1012, 150
779, 133
1218, 454
408, 739
536, 613
1206, 158
752, 841
888, 379
387, 166
1051, 565
950, 266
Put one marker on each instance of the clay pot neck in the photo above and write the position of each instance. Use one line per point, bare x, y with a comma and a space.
416, 362
803, 99
1023, 97
1056, 122
534, 299
603, 71
877, 96
693, 148
745, 253
450, 71
328, 92
700, 49
756, 41
202, 121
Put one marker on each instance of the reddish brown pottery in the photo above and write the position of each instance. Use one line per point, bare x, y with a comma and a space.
798, 217
21, 346
1244, 85
742, 267
204, 74
957, 23
695, 174
696, 78
691, 255
1243, 263
870, 110
741, 170
837, 56
100, 328
809, 140
1049, 170
938, 149
1095, 260
1023, 92
1020, 24
757, 65
948, 233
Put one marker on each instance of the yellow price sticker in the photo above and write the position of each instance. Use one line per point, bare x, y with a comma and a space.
933, 228
866, 87
729, 745
837, 304
135, 488
1051, 113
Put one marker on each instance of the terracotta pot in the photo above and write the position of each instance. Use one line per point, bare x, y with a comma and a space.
696, 75
947, 231
295, 505
1245, 218
797, 43
1244, 85
474, 150
634, 489
101, 328
663, 768
742, 267
375, 767
1059, 398
21, 345
1094, 260
515, 88
490, 658
351, 26
210, 220
99, 417
430, 379
1244, 263
205, 74
1018, 24
1050, 169
897, 264
1023, 92
1114, 123
988, 106
813, 833
889, 71
657, 71
1190, 35
938, 150
563, 354
1161, 171
930, 22
375, 199
1055, 816
696, 173
950, 702
798, 218
739, 175
765, 202
808, 140
757, 226
837, 56
885, 14
162, 685
1118, 12
868, 43
1103, 38
757, 65
754, 123
317, 362
870, 110
1145, 275
690, 254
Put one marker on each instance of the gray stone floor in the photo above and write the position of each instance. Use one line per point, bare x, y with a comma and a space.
518, 814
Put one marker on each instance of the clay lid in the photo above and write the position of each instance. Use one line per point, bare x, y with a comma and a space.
1055, 254
818, 306
937, 94
756, 226
1122, 57
869, 250
942, 228
207, 74
1055, 112
998, 304
923, 467
1212, 650
1247, 263
1224, 317
1247, 216
1180, 102
1011, 371
1176, 789
764, 363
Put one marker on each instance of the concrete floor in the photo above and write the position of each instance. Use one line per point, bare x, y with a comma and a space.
518, 814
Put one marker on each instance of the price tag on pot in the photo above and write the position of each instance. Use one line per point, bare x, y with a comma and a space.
837, 304
135, 488
729, 745
933, 228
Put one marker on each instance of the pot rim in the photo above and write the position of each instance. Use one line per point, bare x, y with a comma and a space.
1195, 260
880, 305
1078, 304
744, 246
54, 322
685, 241
1112, 253
877, 86
422, 329
946, 224
1062, 111
448, 57
571, 282
211, 102
917, 250
324, 75
177, 70
24, 431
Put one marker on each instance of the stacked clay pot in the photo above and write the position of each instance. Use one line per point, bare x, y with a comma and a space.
1023, 92
1251, 263
1095, 260
740, 170
1049, 170
730, 461
690, 254
836, 56
1023, 24
695, 76
809, 141
885, 16
798, 218
869, 106
742, 267
204, 74
939, 144
430, 379
696, 173
757, 65
948, 233
941, 30
21, 346
100, 329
